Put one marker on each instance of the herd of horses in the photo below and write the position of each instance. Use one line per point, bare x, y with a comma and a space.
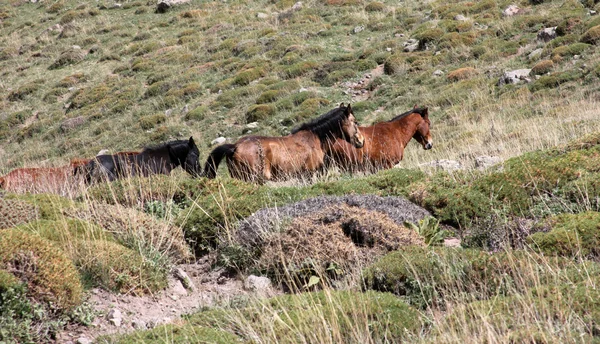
333, 138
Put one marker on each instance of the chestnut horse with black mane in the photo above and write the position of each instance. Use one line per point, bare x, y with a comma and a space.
384, 142
161, 159
260, 158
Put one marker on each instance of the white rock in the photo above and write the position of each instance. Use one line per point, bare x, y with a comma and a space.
83, 340
258, 284
535, 54
179, 289
483, 162
261, 15
511, 11
515, 77
297, 6
460, 17
358, 29
218, 141
138, 324
438, 73
103, 152
115, 317
547, 34
444, 164
252, 125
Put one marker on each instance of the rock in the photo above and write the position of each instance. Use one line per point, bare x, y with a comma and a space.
252, 125
297, 6
257, 284
186, 281
358, 29
179, 289
460, 17
72, 123
163, 5
438, 72
138, 324
483, 162
412, 47
218, 141
511, 11
444, 164
535, 54
55, 27
515, 77
185, 109
261, 15
168, 112
388, 49
592, 12
103, 152
547, 34
398, 35
83, 340
115, 317
116, 5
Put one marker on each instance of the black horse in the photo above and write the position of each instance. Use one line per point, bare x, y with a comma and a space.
152, 160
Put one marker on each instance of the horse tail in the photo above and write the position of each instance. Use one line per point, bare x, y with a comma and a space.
2, 183
215, 157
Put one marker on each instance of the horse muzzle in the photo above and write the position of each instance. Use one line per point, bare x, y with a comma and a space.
359, 142
428, 146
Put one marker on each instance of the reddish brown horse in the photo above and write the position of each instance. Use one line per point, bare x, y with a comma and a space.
260, 158
384, 142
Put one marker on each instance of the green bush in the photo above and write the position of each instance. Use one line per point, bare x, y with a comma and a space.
50, 276
259, 112
151, 121
591, 36
197, 114
572, 235
394, 64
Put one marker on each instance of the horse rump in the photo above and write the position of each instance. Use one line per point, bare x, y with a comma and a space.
215, 157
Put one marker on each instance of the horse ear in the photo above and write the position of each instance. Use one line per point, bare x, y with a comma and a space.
191, 142
414, 107
342, 105
425, 113
348, 108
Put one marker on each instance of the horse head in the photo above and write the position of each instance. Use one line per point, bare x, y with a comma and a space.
422, 134
350, 129
187, 156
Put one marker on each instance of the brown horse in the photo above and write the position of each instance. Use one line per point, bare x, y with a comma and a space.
384, 142
41, 179
260, 158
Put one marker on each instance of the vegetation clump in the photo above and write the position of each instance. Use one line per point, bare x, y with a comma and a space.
461, 74
14, 212
259, 112
542, 67
591, 36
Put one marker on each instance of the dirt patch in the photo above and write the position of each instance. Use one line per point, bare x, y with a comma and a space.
213, 288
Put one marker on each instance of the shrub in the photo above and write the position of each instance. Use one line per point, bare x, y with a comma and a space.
375, 6
245, 77
569, 50
554, 80
259, 112
50, 276
25, 90
462, 74
428, 36
15, 212
395, 64
198, 113
591, 36
542, 67
571, 235
269, 96
68, 57
151, 121
298, 69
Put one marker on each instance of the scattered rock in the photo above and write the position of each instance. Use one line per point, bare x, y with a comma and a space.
297, 6
483, 162
409, 48
358, 29
116, 5
185, 279
72, 123
252, 125
399, 35
164, 5
138, 324
218, 141
83, 340
185, 109
102, 152
261, 15
178, 289
460, 17
257, 284
547, 34
168, 112
444, 164
592, 12
535, 54
115, 317
438, 72
511, 11
515, 77
452, 242
288, 14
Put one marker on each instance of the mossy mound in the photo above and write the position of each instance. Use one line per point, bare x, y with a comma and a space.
68, 57
571, 235
15, 212
462, 74
313, 316
50, 276
259, 112
428, 277
542, 67
591, 36
118, 268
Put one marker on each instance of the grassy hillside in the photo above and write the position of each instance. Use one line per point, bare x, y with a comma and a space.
79, 76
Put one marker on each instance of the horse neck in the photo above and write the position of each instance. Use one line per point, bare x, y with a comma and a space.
161, 153
408, 126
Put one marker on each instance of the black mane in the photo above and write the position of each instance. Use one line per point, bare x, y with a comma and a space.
164, 146
325, 124
420, 111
